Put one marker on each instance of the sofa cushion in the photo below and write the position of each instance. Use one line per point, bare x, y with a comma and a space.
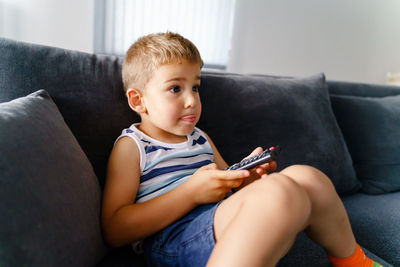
375, 223
371, 127
86, 88
50, 196
307, 253
241, 112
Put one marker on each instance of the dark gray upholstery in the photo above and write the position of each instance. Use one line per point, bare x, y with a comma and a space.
240, 112
375, 221
50, 196
86, 88
243, 112
371, 126
361, 89
306, 253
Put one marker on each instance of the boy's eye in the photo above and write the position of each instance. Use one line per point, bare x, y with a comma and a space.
175, 89
196, 88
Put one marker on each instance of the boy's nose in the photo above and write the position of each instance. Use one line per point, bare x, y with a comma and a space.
189, 100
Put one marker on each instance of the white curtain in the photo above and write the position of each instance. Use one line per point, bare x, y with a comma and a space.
207, 23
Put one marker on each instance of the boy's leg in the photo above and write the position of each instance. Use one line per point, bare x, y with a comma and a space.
329, 225
258, 224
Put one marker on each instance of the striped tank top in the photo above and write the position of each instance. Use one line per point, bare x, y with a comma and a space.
164, 166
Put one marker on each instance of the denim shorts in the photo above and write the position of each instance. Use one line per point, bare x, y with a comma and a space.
187, 242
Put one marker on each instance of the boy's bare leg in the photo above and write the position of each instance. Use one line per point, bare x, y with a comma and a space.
329, 225
258, 225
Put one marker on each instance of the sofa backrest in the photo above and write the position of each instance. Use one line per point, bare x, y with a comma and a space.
241, 111
86, 88
88, 91
362, 89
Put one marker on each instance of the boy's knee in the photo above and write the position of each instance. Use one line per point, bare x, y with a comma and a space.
310, 177
285, 194
319, 187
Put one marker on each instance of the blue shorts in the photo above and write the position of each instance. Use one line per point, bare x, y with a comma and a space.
187, 242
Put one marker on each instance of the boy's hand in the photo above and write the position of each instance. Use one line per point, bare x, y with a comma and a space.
265, 168
209, 184
259, 171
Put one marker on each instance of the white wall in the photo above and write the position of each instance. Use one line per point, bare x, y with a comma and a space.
352, 40
356, 40
61, 23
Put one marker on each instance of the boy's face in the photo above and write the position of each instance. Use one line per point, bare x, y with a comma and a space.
172, 102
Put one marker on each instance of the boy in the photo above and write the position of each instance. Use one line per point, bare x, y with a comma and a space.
166, 182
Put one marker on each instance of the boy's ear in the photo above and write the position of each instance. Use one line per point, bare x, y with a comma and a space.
135, 100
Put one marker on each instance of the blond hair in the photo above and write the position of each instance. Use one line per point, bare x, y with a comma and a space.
152, 51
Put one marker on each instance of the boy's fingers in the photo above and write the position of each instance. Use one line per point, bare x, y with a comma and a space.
269, 166
260, 170
256, 151
232, 175
211, 166
234, 183
272, 166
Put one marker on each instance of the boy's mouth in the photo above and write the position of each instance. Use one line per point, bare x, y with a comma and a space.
189, 118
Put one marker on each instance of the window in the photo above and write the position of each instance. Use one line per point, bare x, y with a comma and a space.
207, 23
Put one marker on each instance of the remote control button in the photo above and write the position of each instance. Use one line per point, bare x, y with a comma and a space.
235, 166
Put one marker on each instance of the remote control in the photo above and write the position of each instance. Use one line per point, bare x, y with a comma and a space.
266, 156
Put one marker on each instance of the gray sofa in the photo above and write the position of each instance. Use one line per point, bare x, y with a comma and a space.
61, 111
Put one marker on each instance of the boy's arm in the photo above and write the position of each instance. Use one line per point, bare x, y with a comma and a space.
218, 159
124, 222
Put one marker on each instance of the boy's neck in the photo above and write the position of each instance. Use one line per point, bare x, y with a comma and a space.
161, 135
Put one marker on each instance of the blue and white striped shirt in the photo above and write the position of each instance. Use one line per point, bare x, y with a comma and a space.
164, 166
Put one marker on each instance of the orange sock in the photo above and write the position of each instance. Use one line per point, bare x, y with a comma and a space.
358, 259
